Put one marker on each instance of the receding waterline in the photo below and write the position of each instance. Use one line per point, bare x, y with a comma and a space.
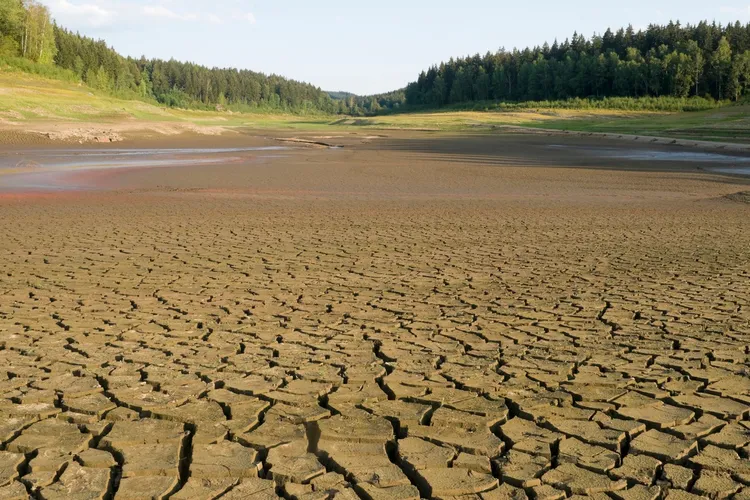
624, 153
51, 168
108, 158
744, 171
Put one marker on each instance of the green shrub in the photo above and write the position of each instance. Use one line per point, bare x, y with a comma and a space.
655, 104
11, 63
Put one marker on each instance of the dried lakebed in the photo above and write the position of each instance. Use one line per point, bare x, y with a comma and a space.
378, 325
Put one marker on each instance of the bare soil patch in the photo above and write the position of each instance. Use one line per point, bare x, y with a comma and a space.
741, 197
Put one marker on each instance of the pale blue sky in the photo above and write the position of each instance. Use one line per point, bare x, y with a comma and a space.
361, 47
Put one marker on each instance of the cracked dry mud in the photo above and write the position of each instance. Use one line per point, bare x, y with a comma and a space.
168, 345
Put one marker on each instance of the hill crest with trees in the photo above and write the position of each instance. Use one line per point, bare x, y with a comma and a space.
27, 32
704, 60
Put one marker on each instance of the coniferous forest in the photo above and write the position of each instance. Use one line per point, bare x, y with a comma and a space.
705, 61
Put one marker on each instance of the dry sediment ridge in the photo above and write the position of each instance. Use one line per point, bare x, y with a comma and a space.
741, 197
223, 344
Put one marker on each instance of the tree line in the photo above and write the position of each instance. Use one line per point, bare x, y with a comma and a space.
670, 61
704, 60
27, 31
356, 105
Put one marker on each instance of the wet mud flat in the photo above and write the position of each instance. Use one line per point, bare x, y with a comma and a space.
76, 168
465, 318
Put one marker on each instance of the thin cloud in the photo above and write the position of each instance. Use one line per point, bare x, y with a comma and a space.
91, 14
248, 16
165, 13
120, 13
737, 11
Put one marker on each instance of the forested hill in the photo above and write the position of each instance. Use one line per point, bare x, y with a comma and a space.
182, 84
30, 38
679, 61
371, 104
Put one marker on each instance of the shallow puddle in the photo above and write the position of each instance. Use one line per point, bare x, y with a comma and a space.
117, 158
50, 169
657, 155
733, 171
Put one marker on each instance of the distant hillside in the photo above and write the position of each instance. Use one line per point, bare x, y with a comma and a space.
340, 96
382, 102
370, 104
36, 109
31, 41
704, 60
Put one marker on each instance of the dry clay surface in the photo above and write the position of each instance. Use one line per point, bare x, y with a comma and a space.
195, 345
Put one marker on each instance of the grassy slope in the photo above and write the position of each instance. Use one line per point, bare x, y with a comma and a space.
26, 100
727, 124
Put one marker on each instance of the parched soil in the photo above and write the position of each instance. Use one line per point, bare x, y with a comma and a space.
741, 197
412, 317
